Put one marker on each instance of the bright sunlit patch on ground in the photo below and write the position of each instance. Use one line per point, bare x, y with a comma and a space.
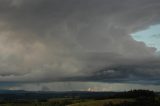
150, 36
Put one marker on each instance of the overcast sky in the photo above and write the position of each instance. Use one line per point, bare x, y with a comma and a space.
46, 44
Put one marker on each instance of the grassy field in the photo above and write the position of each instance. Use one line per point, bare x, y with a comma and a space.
102, 102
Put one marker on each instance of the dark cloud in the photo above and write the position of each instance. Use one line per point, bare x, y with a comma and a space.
84, 40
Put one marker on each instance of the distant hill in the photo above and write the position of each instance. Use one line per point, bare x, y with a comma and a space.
12, 91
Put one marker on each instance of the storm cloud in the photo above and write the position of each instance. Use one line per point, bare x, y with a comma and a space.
77, 40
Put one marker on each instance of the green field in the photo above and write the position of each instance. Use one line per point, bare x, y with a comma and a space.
102, 102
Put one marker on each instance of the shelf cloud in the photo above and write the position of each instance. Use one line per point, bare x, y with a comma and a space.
77, 40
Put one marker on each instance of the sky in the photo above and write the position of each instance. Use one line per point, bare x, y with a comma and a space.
150, 36
58, 45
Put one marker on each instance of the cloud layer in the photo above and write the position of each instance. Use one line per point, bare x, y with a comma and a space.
77, 40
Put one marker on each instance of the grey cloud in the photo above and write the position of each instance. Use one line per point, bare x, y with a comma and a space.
57, 40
